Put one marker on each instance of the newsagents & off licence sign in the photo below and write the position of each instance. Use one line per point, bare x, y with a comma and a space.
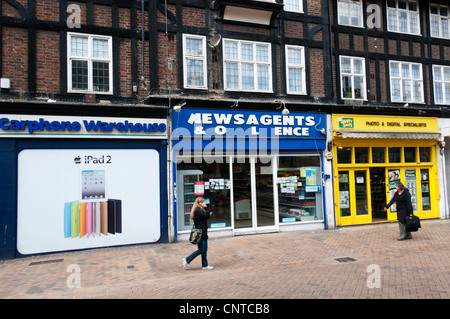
261, 126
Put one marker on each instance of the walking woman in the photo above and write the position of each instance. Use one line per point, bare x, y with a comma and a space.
200, 214
404, 208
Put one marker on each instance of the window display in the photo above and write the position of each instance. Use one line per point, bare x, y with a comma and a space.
299, 189
210, 181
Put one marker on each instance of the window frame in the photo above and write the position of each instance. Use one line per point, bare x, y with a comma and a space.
397, 10
361, 15
439, 6
90, 59
301, 66
442, 83
401, 82
240, 61
300, 4
352, 75
187, 57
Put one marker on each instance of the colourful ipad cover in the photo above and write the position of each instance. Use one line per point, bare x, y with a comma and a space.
104, 218
89, 221
75, 219
68, 219
82, 219
97, 222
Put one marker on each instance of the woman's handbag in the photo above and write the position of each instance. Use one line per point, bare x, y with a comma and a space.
412, 223
196, 235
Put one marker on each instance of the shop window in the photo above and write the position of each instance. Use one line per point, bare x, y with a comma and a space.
344, 193
299, 189
344, 155
394, 154
425, 154
425, 187
410, 154
210, 181
362, 155
378, 155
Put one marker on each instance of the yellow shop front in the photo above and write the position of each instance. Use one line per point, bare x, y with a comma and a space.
371, 154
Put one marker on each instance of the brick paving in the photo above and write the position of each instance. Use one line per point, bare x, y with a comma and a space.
274, 266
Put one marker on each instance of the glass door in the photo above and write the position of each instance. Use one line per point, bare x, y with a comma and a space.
253, 193
354, 203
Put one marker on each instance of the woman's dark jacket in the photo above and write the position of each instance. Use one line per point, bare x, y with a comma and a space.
404, 205
200, 218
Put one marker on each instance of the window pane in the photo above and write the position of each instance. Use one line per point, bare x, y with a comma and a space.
425, 187
358, 66
100, 76
344, 193
434, 21
262, 53
79, 75
359, 87
410, 154
394, 154
248, 81
438, 93
361, 193
344, 13
396, 90
194, 47
194, 72
392, 19
402, 22
425, 153
361, 155
263, 77
414, 22
344, 155
395, 69
378, 155
231, 50
294, 56
347, 87
100, 48
346, 65
232, 78
295, 80
79, 46
247, 52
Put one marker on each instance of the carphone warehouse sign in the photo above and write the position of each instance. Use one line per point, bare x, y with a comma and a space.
58, 126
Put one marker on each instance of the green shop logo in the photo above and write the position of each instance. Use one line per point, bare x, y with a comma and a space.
345, 122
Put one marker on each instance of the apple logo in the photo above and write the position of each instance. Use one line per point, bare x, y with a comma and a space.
77, 159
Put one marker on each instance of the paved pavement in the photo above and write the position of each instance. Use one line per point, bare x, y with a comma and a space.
266, 266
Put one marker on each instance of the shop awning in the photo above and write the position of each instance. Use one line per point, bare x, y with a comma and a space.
390, 135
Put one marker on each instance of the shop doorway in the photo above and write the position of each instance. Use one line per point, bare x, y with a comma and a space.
378, 189
253, 194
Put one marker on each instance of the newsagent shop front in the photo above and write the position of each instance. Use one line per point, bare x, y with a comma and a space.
257, 171
73, 183
372, 153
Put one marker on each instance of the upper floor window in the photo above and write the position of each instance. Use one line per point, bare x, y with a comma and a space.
439, 21
89, 63
247, 66
406, 82
194, 59
403, 16
293, 5
441, 78
353, 78
350, 12
295, 70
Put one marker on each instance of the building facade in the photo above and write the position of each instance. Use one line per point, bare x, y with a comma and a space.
255, 98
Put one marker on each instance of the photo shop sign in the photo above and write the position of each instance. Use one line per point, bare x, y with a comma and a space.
222, 130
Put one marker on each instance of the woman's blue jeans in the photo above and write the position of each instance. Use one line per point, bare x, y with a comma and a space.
202, 250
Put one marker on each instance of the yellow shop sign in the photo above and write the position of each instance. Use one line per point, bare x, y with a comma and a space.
370, 123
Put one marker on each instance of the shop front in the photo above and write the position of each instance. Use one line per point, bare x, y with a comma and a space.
257, 171
372, 153
73, 183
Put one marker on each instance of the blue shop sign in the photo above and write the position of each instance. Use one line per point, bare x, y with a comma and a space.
293, 131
